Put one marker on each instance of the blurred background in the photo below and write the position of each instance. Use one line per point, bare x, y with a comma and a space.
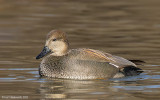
127, 28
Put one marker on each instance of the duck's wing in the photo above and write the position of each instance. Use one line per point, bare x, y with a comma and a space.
116, 61
137, 62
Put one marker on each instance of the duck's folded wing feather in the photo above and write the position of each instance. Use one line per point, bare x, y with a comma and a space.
117, 61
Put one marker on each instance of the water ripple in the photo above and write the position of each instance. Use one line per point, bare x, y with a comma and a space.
18, 68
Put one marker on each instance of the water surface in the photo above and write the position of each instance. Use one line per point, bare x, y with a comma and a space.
130, 29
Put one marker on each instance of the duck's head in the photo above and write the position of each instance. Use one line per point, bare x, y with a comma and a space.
56, 44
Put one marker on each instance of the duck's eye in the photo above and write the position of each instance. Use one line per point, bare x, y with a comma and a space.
54, 39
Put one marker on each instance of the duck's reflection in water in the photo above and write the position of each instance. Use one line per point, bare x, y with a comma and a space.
63, 88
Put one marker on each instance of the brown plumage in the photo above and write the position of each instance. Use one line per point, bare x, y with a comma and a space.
82, 63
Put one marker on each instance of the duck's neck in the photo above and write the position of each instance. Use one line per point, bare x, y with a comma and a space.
61, 52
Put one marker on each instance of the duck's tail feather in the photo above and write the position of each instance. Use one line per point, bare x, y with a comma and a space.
131, 71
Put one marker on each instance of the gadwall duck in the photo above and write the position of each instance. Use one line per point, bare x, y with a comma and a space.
82, 63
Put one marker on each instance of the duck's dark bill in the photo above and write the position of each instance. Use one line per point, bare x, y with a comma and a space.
44, 52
